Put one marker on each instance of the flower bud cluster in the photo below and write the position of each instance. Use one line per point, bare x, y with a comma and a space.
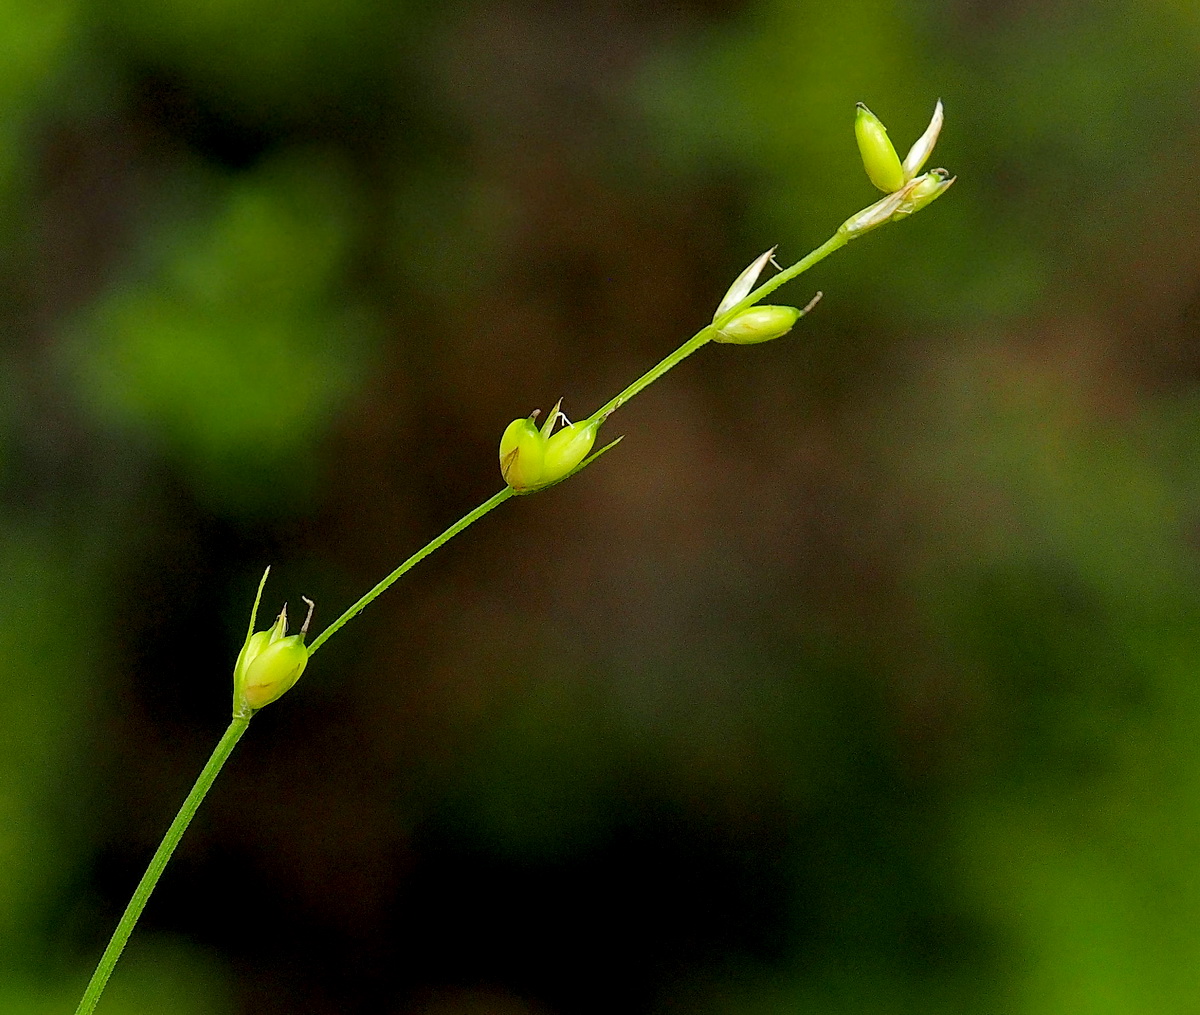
879, 157
269, 664
531, 458
906, 191
910, 198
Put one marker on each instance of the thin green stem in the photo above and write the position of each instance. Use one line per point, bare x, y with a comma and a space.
416, 558
697, 341
158, 862
240, 723
655, 372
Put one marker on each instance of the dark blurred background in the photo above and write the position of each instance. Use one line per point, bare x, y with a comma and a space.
863, 677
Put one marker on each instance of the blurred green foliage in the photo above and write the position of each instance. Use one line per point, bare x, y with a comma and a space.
861, 678
43, 658
235, 348
263, 60
36, 40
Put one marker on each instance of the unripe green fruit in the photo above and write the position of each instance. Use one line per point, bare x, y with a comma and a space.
910, 198
926, 189
567, 448
878, 154
274, 670
758, 324
522, 454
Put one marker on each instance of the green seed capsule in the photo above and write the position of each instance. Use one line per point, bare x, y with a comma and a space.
878, 154
274, 671
269, 665
910, 198
522, 454
758, 324
925, 190
567, 448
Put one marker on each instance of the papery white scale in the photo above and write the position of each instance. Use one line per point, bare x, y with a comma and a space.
744, 283
919, 153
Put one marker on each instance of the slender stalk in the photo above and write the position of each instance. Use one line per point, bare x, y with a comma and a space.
220, 755
655, 372
416, 558
239, 725
697, 341
158, 862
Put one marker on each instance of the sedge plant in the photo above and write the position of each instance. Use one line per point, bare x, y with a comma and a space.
534, 458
